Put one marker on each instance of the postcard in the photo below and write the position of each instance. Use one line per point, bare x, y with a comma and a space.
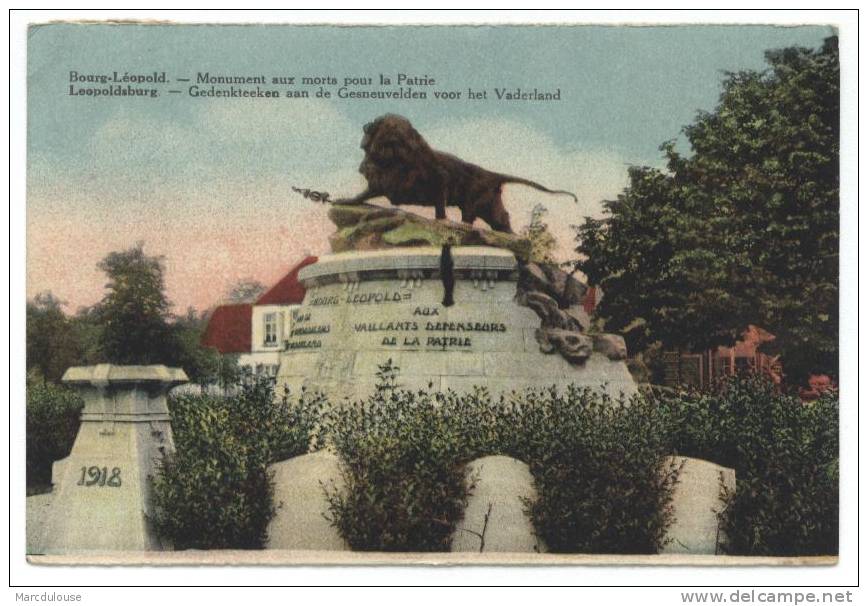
433, 294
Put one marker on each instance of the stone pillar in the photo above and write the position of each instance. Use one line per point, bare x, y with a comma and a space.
102, 490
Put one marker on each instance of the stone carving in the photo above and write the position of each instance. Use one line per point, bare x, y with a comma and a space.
564, 288
611, 346
574, 346
547, 309
371, 227
579, 316
400, 166
557, 297
395, 312
495, 519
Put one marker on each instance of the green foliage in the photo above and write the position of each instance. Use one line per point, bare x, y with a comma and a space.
134, 312
595, 462
215, 491
744, 231
203, 365
785, 455
53, 343
542, 242
402, 468
600, 470
601, 466
131, 325
52, 424
657, 257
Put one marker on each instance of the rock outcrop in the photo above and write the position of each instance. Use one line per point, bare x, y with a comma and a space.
557, 298
371, 227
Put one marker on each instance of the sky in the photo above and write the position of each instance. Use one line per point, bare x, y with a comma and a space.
207, 182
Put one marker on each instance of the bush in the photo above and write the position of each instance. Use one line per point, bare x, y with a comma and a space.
600, 470
596, 464
52, 423
599, 464
215, 491
402, 467
785, 455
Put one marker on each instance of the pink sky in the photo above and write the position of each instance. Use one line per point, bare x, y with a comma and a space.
201, 263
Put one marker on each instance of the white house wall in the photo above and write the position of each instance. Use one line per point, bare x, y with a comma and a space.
262, 356
284, 321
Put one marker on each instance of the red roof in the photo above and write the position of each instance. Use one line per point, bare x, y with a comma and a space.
289, 290
228, 329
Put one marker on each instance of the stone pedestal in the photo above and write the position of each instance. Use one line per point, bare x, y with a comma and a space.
102, 489
364, 308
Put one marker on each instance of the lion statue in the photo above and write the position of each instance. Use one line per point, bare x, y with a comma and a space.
400, 166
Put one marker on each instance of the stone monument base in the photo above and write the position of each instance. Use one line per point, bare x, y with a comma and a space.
447, 320
101, 496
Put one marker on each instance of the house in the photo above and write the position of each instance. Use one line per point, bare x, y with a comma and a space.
256, 331
702, 369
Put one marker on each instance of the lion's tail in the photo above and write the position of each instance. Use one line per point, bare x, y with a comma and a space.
535, 185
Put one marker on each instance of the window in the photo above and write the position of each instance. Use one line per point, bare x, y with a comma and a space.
270, 331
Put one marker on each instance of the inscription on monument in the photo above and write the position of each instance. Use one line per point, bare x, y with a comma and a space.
451, 335
321, 301
367, 298
309, 344
385, 326
301, 327
99, 476
311, 330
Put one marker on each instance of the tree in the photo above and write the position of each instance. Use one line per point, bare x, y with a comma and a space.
199, 363
246, 290
542, 242
743, 231
656, 258
134, 313
52, 340
203, 365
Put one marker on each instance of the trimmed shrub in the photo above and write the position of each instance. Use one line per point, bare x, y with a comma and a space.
402, 468
596, 464
52, 423
215, 491
599, 466
785, 454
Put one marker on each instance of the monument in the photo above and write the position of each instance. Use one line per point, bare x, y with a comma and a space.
448, 317
102, 489
450, 305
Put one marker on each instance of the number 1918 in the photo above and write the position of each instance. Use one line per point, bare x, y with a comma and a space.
99, 476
